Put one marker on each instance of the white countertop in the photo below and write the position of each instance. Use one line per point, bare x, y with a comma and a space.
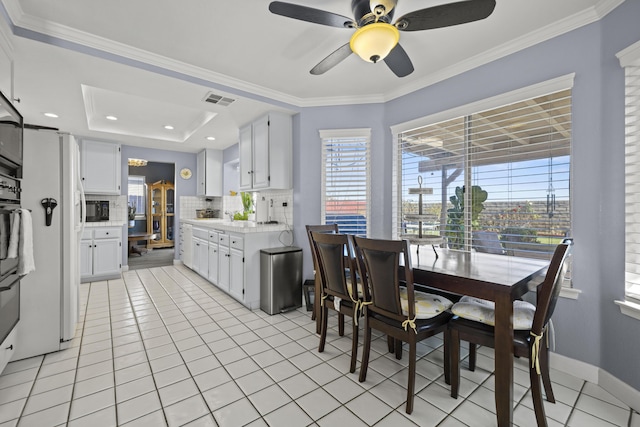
235, 226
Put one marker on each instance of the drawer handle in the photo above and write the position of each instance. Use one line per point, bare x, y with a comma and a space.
233, 241
10, 347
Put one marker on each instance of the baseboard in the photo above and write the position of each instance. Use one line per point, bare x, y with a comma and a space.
618, 388
125, 268
177, 262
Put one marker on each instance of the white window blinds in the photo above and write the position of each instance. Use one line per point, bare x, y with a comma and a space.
632, 184
346, 179
511, 164
137, 193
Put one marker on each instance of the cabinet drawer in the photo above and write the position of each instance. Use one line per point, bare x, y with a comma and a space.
237, 242
107, 233
213, 236
223, 239
201, 233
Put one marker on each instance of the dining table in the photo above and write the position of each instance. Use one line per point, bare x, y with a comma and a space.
498, 278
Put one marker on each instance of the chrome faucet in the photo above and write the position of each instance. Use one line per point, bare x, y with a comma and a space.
230, 215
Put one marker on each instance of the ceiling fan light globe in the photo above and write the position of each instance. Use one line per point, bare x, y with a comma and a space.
373, 42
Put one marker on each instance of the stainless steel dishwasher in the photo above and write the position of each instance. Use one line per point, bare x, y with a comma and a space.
280, 279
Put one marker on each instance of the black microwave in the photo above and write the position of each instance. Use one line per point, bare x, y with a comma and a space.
97, 210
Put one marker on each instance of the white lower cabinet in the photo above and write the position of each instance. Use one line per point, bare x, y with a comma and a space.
100, 253
200, 252
231, 261
213, 257
8, 348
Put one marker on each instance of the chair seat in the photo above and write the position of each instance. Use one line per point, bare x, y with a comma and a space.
520, 337
483, 311
426, 305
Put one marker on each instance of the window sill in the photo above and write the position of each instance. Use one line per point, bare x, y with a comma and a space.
629, 309
571, 293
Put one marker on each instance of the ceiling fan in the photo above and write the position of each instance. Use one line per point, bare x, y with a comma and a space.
376, 37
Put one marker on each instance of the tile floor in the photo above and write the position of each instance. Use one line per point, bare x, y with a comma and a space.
164, 347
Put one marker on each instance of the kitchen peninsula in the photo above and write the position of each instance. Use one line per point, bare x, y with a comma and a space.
227, 253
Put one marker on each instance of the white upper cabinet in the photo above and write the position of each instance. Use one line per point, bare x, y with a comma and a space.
100, 167
265, 148
209, 173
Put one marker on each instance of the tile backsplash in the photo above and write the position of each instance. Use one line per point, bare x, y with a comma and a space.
189, 204
118, 209
275, 201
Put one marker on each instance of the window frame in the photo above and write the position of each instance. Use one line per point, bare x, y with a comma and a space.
550, 86
346, 134
139, 215
630, 62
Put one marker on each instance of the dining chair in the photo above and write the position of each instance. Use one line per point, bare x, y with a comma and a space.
320, 228
393, 307
339, 289
474, 322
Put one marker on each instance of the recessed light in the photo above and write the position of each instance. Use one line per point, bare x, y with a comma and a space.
211, 138
168, 127
111, 118
52, 115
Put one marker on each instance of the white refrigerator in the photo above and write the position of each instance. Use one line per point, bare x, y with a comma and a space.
49, 304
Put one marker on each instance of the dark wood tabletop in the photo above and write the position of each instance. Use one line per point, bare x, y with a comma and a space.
498, 278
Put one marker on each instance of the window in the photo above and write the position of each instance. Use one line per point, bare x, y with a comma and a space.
509, 162
630, 60
346, 179
137, 193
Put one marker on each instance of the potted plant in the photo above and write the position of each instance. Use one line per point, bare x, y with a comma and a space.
247, 204
132, 216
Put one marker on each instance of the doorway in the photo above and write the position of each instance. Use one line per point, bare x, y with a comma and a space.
150, 214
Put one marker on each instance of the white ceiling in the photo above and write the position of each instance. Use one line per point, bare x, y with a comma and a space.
152, 62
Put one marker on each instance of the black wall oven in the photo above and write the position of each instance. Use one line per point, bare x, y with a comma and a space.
11, 134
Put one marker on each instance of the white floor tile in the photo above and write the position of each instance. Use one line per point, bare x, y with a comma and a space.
185, 411
224, 353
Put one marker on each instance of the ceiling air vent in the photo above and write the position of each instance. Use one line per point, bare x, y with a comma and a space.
218, 99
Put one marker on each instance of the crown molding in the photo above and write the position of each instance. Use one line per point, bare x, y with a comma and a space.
188, 72
548, 32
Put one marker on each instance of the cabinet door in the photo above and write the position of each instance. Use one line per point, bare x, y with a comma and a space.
106, 257
236, 280
245, 152
213, 263
86, 258
260, 173
223, 268
201, 174
199, 247
100, 167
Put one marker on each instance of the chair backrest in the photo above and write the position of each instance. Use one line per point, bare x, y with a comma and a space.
379, 264
488, 242
324, 228
335, 265
550, 287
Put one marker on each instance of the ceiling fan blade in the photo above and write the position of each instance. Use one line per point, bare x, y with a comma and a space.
334, 58
446, 15
398, 61
310, 14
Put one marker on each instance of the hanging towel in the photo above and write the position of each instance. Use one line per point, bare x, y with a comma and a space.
26, 263
14, 238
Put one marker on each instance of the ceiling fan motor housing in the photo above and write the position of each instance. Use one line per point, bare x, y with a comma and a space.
363, 14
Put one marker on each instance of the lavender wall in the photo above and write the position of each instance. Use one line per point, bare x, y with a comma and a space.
591, 328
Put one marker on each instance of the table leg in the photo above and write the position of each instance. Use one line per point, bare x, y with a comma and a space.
504, 359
